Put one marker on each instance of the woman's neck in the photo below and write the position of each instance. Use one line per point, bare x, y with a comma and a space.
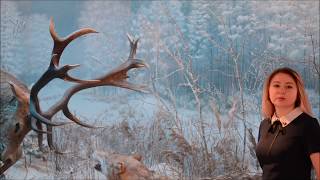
283, 111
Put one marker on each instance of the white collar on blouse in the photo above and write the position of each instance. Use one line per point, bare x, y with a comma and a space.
287, 119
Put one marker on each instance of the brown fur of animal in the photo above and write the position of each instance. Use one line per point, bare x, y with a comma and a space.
13, 121
124, 167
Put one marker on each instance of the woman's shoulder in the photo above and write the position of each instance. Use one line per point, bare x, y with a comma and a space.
308, 120
306, 116
265, 122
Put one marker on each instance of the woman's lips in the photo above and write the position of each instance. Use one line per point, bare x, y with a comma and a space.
281, 98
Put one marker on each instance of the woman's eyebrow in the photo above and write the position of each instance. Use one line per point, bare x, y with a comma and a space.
289, 83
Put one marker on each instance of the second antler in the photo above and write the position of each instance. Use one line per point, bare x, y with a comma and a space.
117, 77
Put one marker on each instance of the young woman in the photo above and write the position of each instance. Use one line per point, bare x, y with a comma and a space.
289, 137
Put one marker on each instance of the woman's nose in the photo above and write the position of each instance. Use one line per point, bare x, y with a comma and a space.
282, 90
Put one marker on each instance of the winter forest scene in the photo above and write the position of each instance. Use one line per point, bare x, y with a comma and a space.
191, 112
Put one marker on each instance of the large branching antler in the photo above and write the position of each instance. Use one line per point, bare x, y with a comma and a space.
29, 107
54, 71
117, 77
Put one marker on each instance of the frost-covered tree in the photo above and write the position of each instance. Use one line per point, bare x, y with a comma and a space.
154, 22
110, 47
291, 31
34, 50
25, 42
12, 24
162, 40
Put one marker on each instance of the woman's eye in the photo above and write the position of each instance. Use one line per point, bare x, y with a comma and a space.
289, 87
276, 85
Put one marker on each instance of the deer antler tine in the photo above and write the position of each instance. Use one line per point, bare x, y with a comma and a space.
73, 118
67, 77
79, 33
130, 37
61, 43
72, 66
42, 119
53, 33
138, 39
118, 76
132, 40
133, 46
135, 87
138, 63
35, 128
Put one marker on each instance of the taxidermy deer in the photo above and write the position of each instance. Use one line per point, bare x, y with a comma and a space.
17, 120
124, 167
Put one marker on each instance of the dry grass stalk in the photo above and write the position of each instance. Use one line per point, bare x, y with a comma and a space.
216, 114
181, 142
232, 113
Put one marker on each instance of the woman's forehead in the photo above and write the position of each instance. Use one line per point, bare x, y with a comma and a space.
282, 78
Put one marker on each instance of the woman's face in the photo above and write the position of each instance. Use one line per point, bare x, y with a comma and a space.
283, 91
